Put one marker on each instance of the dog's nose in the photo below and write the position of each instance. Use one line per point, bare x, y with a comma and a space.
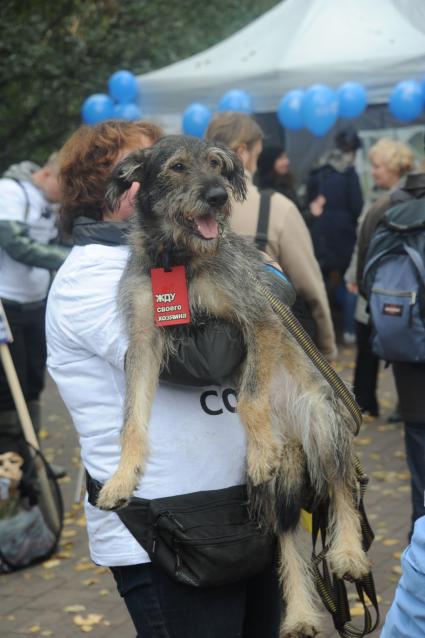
216, 196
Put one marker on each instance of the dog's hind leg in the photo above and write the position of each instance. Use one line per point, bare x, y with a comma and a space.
346, 554
301, 618
263, 455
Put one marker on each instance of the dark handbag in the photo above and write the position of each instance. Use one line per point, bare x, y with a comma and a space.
202, 539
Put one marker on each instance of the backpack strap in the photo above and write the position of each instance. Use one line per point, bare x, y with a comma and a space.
263, 219
27, 199
417, 260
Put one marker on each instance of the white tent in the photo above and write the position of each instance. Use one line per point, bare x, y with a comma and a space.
294, 45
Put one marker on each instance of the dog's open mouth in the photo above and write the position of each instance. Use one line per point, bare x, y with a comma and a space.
206, 225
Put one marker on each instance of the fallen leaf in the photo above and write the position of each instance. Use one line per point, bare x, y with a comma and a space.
363, 441
47, 632
397, 555
84, 566
104, 592
49, 564
396, 569
73, 609
390, 541
91, 619
68, 533
90, 581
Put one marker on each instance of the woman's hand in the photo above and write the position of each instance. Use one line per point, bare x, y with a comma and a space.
317, 205
352, 287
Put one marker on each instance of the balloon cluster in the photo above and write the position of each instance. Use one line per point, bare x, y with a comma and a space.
119, 104
318, 108
197, 116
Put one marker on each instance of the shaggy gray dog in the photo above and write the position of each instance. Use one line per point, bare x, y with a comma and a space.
295, 424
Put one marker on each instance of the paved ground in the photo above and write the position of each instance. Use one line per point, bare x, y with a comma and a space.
68, 595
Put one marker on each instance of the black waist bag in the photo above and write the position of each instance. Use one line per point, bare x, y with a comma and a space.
203, 539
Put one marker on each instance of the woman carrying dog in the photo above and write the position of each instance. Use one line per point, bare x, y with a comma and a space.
196, 440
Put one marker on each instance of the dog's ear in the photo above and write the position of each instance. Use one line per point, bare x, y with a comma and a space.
232, 169
127, 171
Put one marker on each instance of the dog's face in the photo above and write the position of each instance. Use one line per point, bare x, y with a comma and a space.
184, 198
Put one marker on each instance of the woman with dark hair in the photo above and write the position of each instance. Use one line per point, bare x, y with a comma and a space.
334, 232
273, 172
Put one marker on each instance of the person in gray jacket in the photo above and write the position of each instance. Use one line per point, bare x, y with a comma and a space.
28, 256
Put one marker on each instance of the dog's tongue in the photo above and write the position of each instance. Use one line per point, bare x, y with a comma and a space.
207, 227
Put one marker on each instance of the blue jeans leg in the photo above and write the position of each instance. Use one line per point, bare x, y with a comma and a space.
163, 608
414, 435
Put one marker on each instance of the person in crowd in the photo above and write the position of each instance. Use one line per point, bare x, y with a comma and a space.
197, 441
334, 232
406, 617
288, 239
28, 256
274, 172
390, 160
409, 377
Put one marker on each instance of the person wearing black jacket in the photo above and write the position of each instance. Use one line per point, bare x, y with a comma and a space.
334, 232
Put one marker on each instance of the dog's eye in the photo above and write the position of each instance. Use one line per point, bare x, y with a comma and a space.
179, 167
214, 163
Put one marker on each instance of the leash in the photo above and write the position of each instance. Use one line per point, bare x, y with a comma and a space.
332, 590
293, 326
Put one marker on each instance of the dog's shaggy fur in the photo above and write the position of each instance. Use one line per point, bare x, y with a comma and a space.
294, 422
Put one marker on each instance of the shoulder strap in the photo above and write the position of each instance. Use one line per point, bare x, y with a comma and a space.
263, 219
417, 260
27, 199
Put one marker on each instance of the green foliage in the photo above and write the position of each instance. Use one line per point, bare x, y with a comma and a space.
54, 53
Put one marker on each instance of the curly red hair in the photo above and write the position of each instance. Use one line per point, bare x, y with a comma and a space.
86, 160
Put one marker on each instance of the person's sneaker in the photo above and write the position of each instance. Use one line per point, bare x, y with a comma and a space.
349, 338
57, 470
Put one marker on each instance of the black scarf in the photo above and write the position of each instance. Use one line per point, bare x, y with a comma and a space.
89, 231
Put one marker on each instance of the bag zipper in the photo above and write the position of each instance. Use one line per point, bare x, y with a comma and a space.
397, 293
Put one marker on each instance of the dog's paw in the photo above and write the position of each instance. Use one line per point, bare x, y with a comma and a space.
298, 630
114, 494
263, 463
348, 563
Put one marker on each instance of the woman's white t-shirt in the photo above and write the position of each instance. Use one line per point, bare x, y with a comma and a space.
196, 439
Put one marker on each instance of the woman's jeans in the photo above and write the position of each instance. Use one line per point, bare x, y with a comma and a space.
414, 436
163, 608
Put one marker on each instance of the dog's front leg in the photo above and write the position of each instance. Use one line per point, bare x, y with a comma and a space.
143, 362
264, 446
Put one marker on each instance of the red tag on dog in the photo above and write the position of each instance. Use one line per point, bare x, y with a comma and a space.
170, 298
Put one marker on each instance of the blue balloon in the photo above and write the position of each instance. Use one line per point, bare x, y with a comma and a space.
127, 112
96, 108
406, 101
352, 99
236, 100
123, 86
196, 119
423, 90
289, 110
319, 109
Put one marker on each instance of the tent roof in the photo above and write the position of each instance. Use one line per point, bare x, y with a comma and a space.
294, 45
